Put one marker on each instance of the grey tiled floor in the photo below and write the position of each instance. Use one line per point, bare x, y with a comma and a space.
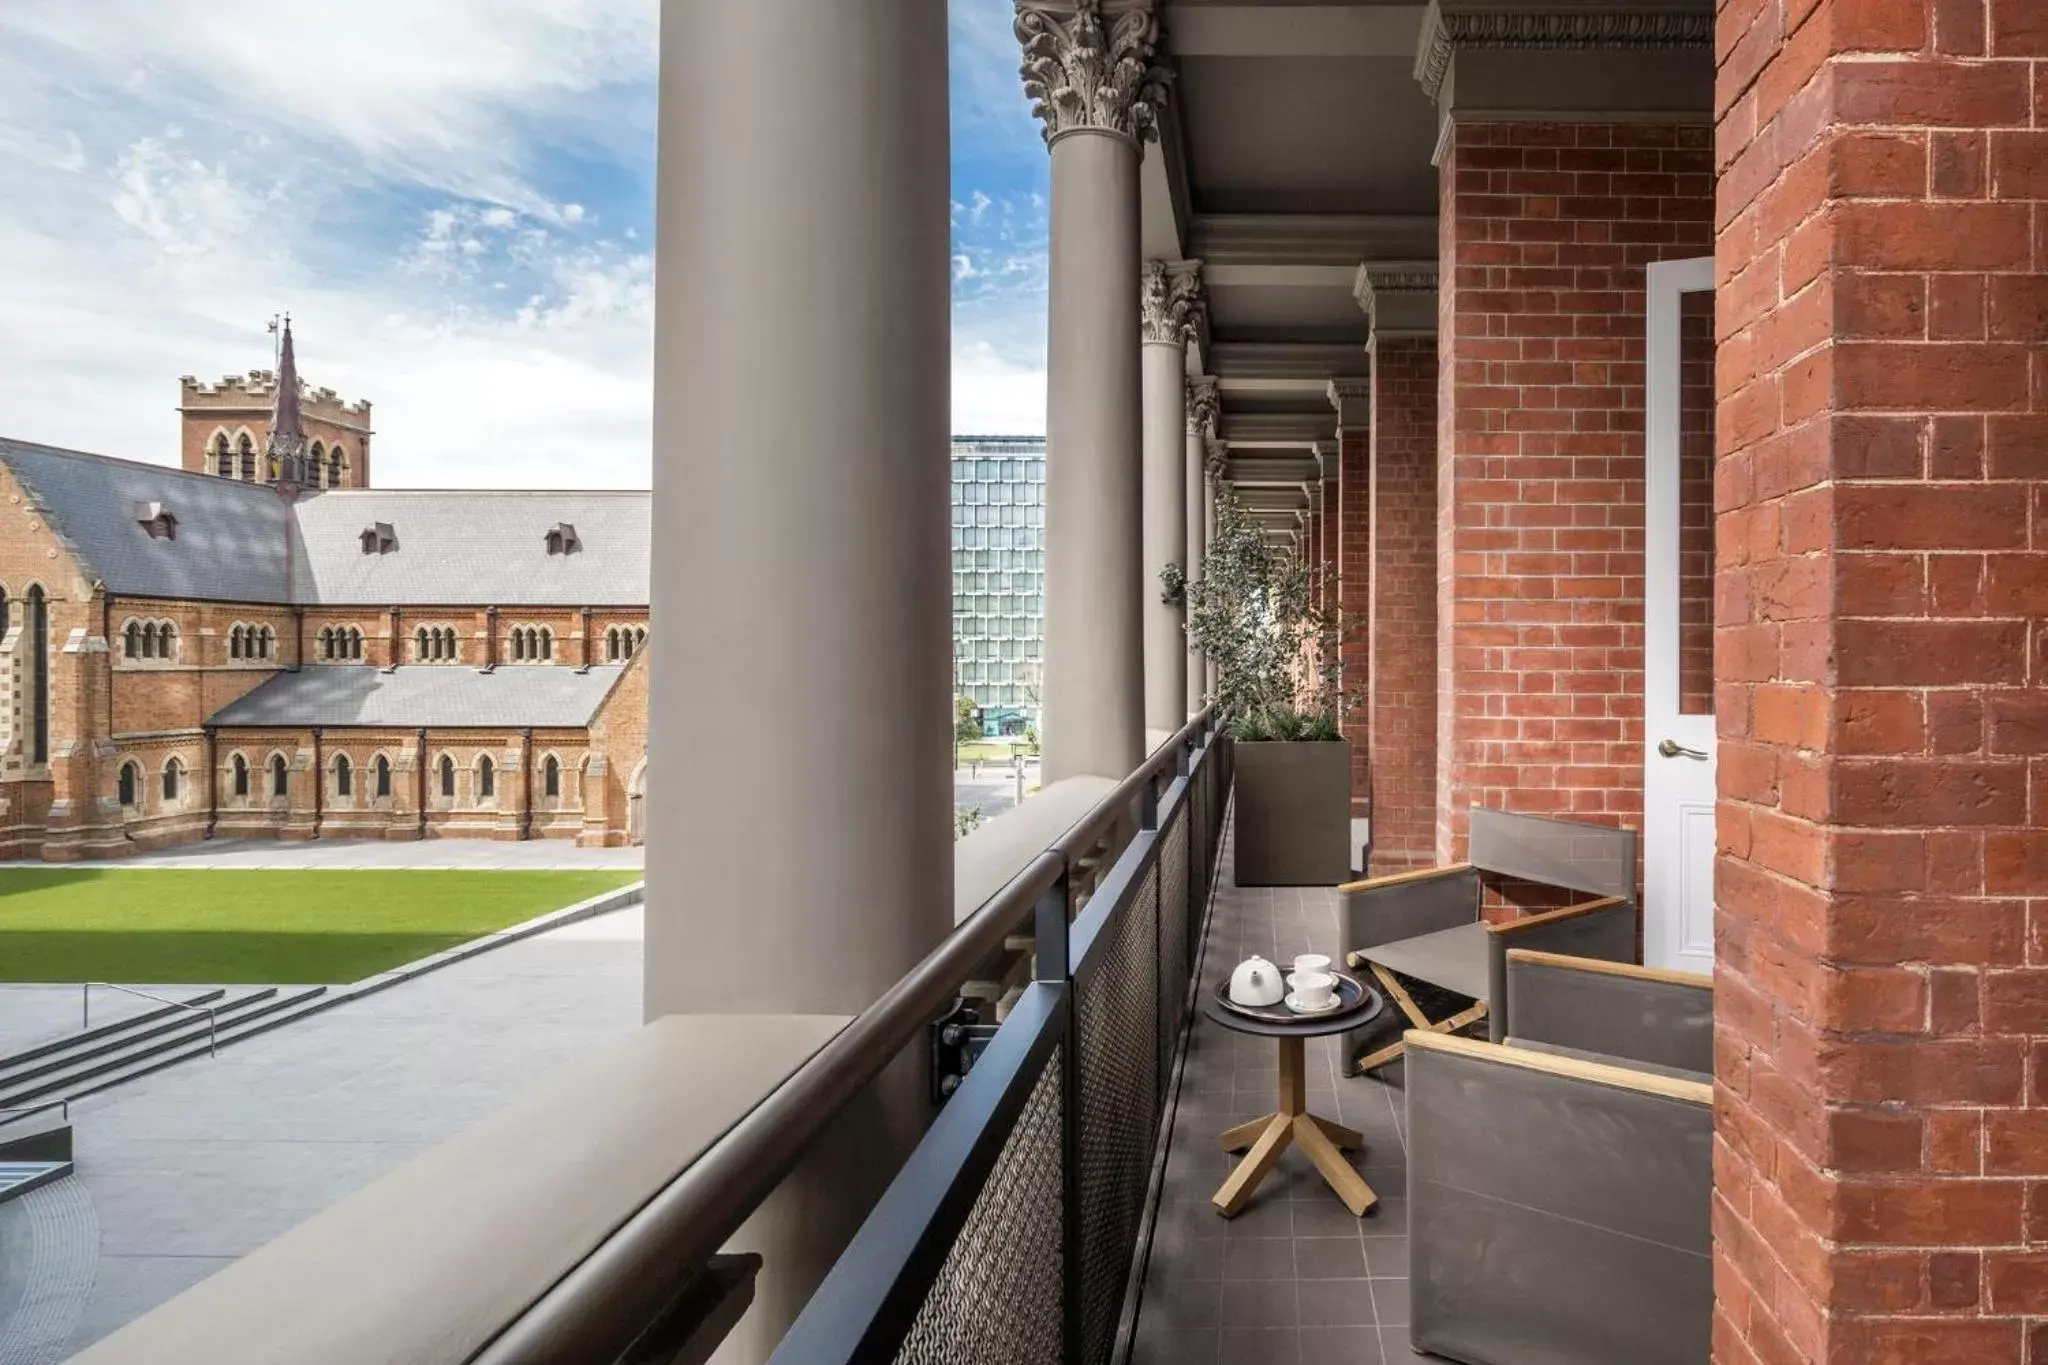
1294, 1276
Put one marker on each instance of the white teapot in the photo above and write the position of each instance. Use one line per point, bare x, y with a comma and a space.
1256, 982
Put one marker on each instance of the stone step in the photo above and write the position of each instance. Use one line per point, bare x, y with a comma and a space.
13, 1060
270, 1010
85, 1047
17, 1178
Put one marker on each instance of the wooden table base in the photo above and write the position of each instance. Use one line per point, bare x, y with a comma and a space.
1293, 1125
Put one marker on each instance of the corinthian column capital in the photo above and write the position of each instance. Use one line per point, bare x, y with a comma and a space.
1170, 301
1091, 71
1205, 405
1218, 465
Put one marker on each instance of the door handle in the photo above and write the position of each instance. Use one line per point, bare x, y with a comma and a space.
1671, 748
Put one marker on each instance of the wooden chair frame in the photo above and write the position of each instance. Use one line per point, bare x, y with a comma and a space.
1499, 937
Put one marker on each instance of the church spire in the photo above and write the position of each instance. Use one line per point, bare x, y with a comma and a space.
287, 425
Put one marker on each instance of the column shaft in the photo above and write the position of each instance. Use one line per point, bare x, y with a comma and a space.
800, 549
1094, 545
1195, 485
1166, 526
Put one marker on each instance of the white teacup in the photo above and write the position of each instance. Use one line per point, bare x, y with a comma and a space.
1313, 990
1311, 964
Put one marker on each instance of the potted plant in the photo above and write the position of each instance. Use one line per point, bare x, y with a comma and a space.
1254, 613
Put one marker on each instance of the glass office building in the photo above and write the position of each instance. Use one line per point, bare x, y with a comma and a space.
999, 571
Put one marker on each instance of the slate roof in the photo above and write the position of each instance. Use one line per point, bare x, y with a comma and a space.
472, 548
441, 696
241, 542
230, 535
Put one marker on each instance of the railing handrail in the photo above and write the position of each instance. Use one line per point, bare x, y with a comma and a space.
635, 1272
22, 1111
211, 1012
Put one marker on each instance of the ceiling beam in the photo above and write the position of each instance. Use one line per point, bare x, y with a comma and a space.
1282, 430
1307, 249
1270, 470
1285, 367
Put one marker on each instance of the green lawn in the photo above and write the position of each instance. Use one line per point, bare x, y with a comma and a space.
222, 926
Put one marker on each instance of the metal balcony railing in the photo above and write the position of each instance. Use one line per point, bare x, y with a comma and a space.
1012, 1235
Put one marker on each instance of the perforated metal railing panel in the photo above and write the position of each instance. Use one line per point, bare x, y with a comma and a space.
1173, 933
1119, 1109
998, 1300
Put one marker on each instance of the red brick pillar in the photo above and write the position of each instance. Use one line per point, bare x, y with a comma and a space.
1402, 619
1353, 457
1333, 529
1546, 231
1882, 968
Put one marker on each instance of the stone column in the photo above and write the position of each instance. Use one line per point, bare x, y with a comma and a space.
800, 461
1098, 94
1201, 498
1169, 308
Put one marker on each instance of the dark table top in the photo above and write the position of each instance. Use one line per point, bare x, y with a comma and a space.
1306, 1026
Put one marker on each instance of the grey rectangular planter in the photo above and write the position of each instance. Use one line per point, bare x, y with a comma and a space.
1293, 822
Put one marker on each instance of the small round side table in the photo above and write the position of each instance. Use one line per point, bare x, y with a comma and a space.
1322, 1139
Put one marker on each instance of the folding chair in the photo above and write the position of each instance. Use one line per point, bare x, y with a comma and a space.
1426, 925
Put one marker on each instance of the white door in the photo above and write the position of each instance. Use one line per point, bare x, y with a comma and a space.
1678, 619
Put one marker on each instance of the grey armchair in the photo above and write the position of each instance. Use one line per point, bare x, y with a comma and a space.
1426, 925
1560, 1186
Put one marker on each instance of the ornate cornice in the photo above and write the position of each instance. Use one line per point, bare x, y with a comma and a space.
1088, 71
1536, 24
1341, 391
1204, 406
1170, 301
1400, 300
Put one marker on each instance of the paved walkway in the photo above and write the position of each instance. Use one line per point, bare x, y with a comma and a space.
181, 1172
530, 854
1294, 1277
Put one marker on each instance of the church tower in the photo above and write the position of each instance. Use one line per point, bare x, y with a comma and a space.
227, 429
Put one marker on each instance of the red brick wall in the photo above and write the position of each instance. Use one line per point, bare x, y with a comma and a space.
1403, 603
1882, 971
1546, 230
1332, 537
1354, 494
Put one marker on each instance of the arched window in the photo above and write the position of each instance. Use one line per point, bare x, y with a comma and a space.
611, 643
245, 450
447, 776
336, 467
149, 640
316, 463
355, 643
451, 643
174, 779
343, 779
36, 620
518, 645
223, 457
266, 643
419, 644
547, 643
639, 637
278, 776
551, 776
486, 778
383, 770
326, 642
241, 783
167, 640
131, 640
129, 787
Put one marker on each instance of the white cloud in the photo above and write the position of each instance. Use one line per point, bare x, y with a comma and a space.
996, 396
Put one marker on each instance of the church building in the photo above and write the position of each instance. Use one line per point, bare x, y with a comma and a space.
261, 644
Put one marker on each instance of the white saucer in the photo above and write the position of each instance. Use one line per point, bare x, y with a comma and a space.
1336, 1001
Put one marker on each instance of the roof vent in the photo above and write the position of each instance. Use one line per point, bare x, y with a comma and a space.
157, 519
562, 539
379, 539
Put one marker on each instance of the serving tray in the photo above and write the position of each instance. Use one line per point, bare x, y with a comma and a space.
1351, 996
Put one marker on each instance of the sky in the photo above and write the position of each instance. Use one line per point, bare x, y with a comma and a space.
452, 198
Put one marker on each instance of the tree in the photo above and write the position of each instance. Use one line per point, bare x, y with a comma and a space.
1255, 613
966, 720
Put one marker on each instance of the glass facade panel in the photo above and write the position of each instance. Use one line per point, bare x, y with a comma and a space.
998, 569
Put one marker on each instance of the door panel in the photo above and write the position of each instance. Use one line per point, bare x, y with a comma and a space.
1678, 625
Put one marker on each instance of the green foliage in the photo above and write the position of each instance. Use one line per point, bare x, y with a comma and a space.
966, 819
1173, 585
966, 728
1256, 614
